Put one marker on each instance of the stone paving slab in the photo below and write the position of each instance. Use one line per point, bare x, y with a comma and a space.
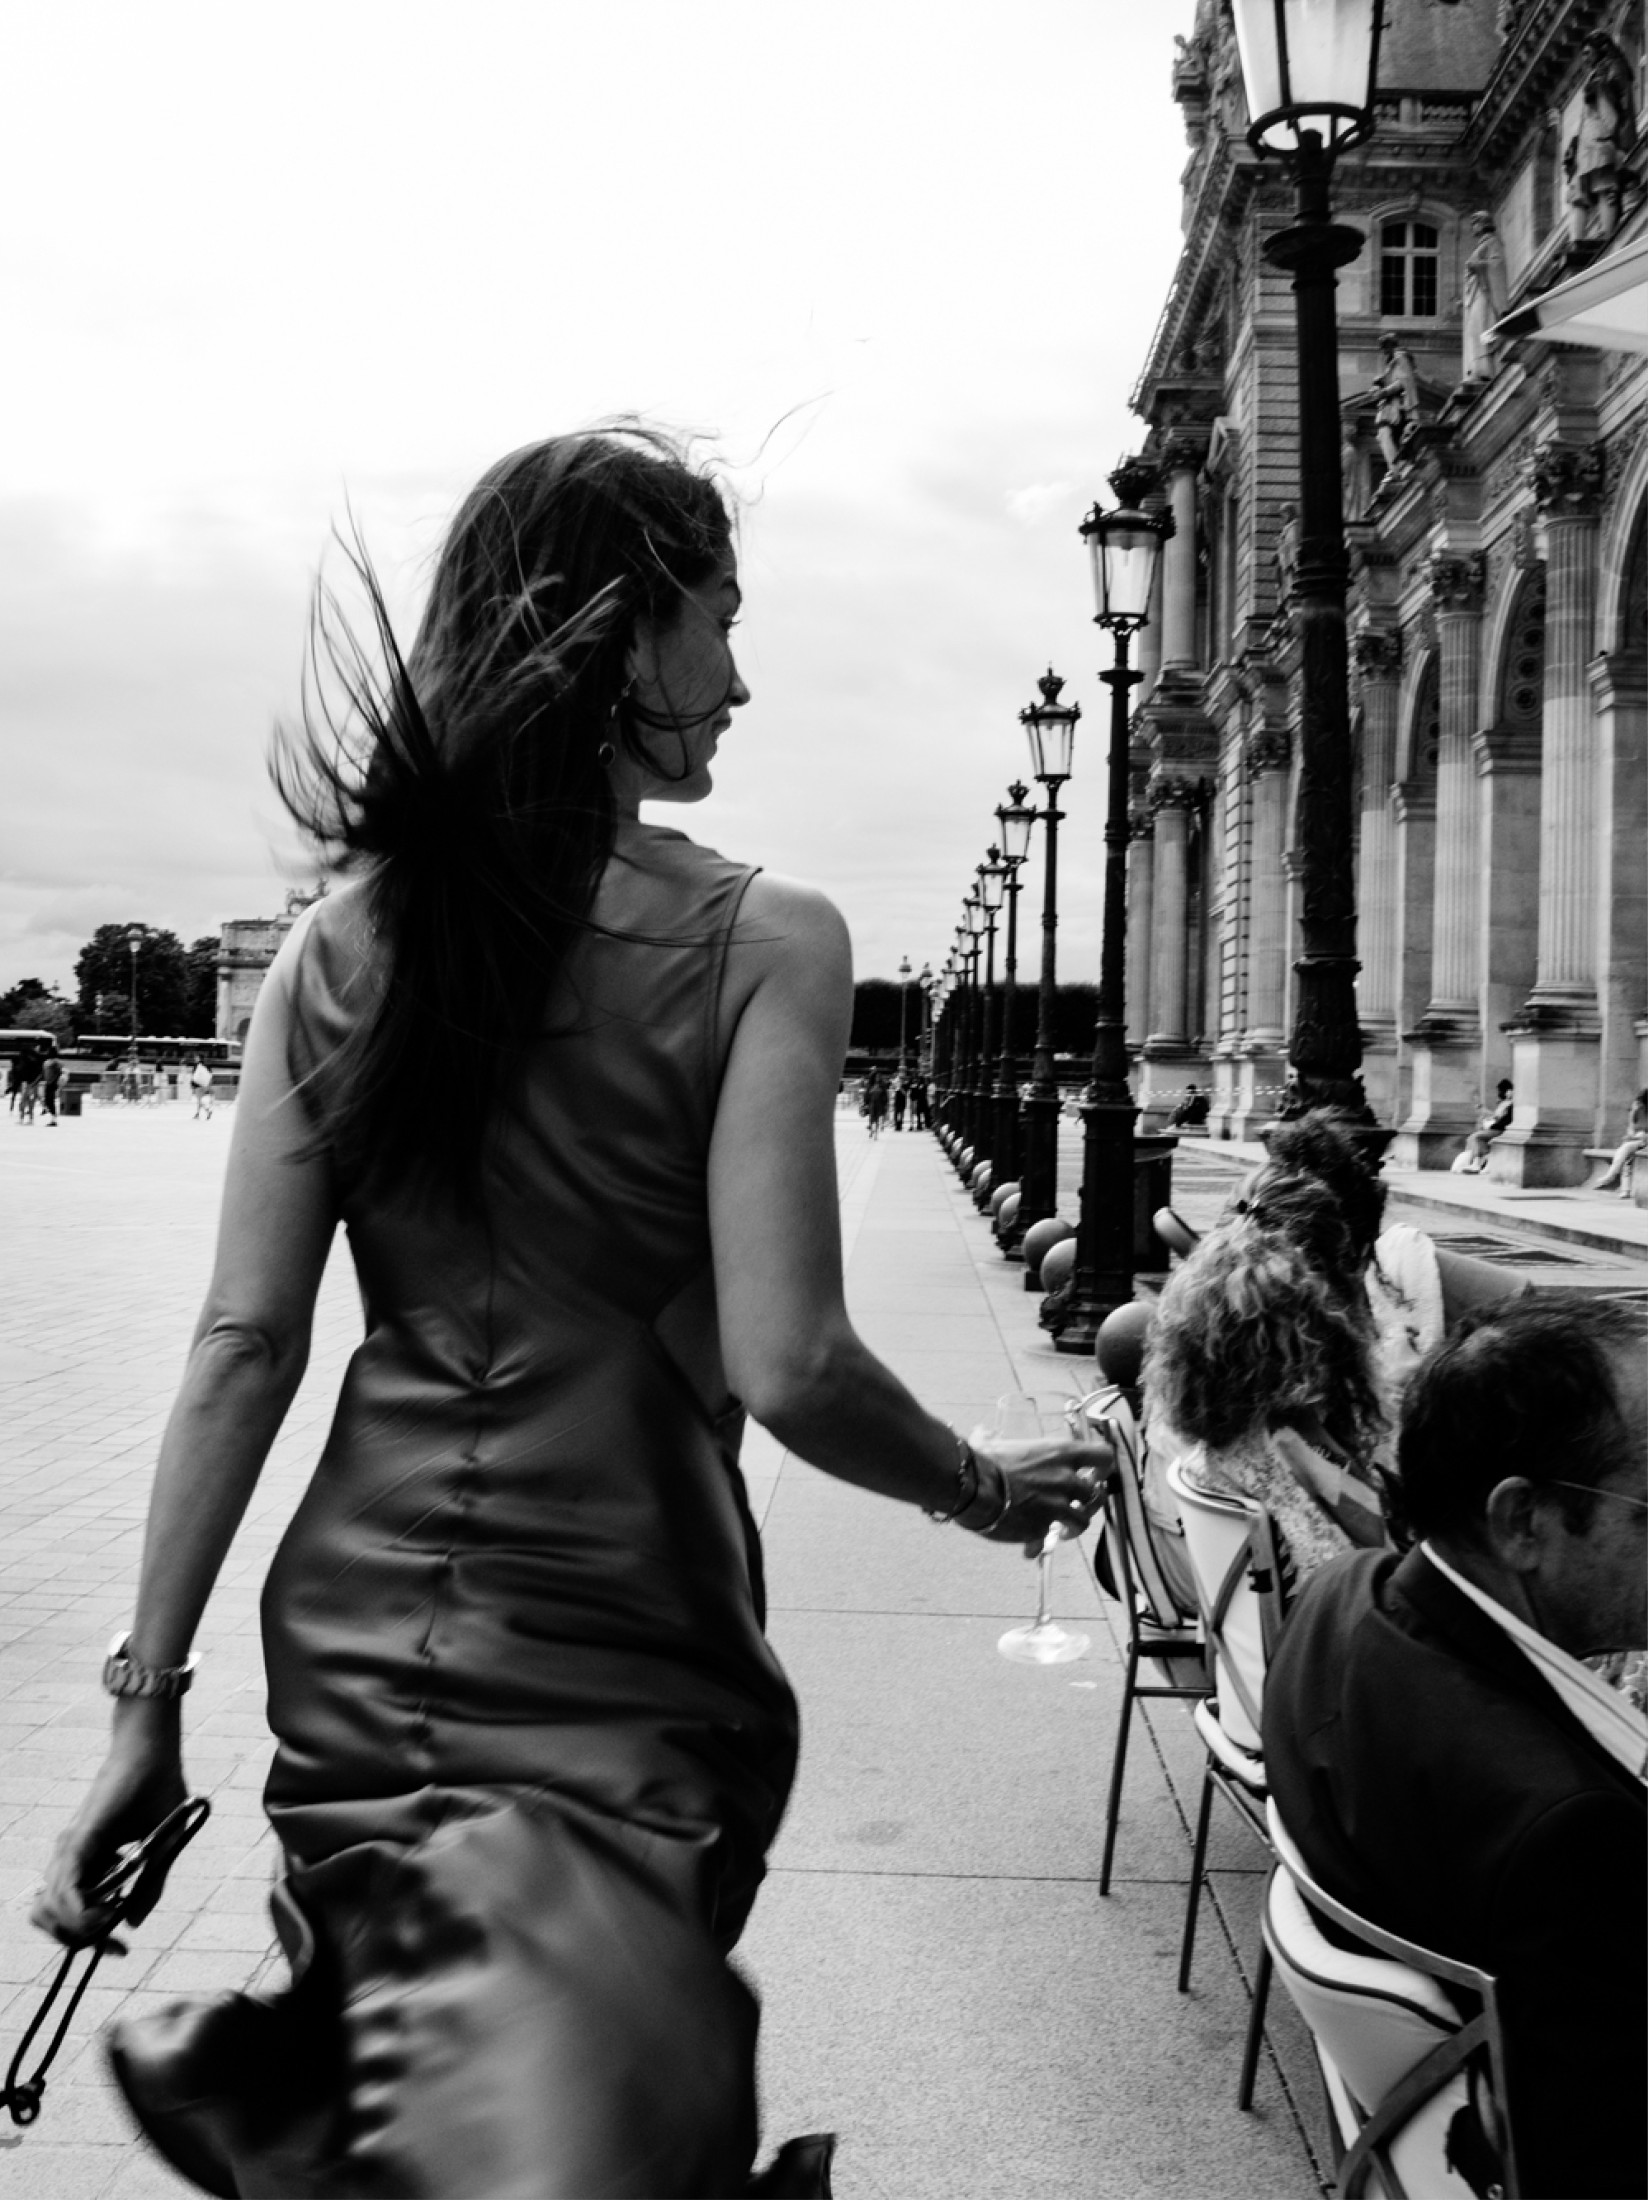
942, 1982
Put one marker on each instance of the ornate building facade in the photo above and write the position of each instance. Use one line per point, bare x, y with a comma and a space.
1496, 498
248, 946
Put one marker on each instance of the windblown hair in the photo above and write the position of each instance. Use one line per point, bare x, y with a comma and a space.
466, 779
1267, 1322
1529, 1387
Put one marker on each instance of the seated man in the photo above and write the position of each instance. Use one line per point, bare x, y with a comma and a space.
1448, 1766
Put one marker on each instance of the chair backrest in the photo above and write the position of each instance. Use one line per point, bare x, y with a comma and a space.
1395, 2048
1232, 1548
1155, 1581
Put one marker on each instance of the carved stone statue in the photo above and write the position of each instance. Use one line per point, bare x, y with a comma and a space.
1485, 298
1396, 399
1594, 158
1285, 556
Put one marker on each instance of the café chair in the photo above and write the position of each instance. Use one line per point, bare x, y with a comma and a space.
1131, 1563
1233, 1555
1414, 2085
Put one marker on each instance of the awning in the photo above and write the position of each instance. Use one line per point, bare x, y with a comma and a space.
1606, 306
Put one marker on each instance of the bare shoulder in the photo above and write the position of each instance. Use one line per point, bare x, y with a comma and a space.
790, 946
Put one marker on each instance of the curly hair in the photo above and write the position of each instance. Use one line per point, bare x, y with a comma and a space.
1268, 1321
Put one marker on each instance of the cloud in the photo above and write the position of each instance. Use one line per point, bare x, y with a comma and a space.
1038, 500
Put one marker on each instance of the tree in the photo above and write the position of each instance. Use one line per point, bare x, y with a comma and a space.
13, 1001
103, 970
200, 997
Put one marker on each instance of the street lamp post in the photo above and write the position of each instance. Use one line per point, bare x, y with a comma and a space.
1125, 546
1016, 819
134, 940
973, 923
903, 1015
992, 877
1050, 727
1310, 68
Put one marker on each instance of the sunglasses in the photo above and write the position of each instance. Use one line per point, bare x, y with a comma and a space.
1587, 1489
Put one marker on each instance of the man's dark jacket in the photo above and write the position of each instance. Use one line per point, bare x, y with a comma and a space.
1437, 1785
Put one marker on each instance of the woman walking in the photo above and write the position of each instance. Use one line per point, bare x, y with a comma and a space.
569, 1080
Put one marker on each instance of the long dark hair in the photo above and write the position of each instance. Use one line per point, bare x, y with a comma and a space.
468, 778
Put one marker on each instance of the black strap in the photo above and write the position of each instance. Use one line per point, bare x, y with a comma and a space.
129, 1890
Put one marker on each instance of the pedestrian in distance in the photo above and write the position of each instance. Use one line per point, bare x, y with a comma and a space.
531, 1741
51, 1077
200, 1083
1472, 1157
901, 1101
875, 1103
31, 1062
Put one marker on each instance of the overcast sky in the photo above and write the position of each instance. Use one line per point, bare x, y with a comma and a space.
901, 259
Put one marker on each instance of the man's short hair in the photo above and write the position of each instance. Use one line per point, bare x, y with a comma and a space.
1530, 1388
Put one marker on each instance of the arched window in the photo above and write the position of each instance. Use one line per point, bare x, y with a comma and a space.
1408, 260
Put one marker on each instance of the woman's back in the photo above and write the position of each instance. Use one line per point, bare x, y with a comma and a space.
525, 1555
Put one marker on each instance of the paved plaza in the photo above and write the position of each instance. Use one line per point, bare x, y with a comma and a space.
942, 1982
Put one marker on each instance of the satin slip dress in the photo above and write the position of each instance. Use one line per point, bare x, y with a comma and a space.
532, 1744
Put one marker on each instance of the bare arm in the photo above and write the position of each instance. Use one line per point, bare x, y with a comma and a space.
791, 1352
248, 1354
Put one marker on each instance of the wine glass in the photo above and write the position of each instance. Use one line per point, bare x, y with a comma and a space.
1041, 1641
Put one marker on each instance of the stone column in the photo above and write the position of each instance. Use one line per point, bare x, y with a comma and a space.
1141, 883
1456, 586
1377, 658
1264, 1044
1170, 801
1169, 1060
1182, 458
1447, 1095
1568, 483
1555, 1047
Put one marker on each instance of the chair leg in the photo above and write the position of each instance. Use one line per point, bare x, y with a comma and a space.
1255, 2027
1198, 1855
1118, 1765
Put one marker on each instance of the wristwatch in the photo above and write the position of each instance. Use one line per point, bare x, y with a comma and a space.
123, 1676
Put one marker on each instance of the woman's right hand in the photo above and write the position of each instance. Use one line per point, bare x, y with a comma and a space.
140, 1783
1050, 1481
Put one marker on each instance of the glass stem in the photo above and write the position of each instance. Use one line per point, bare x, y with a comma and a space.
1044, 1585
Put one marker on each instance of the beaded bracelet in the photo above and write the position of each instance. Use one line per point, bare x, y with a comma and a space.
967, 1483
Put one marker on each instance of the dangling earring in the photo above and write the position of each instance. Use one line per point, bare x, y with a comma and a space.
608, 749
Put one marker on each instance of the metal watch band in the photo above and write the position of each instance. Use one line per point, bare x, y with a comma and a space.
123, 1676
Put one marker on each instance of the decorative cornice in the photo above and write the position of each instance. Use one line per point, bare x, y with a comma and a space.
1457, 581
1536, 55
1267, 750
1184, 449
1141, 824
1568, 479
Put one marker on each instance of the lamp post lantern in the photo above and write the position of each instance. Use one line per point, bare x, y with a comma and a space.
903, 1015
1310, 68
1125, 546
1016, 819
1050, 727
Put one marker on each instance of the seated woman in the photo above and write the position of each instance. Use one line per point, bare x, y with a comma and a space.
1620, 1170
1262, 1355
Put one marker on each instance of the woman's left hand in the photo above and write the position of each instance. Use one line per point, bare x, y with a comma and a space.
1051, 1482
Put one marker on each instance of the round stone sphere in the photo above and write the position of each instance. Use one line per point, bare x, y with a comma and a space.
1041, 1237
1057, 1263
964, 1161
1007, 1214
980, 1178
1120, 1344
1000, 1194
